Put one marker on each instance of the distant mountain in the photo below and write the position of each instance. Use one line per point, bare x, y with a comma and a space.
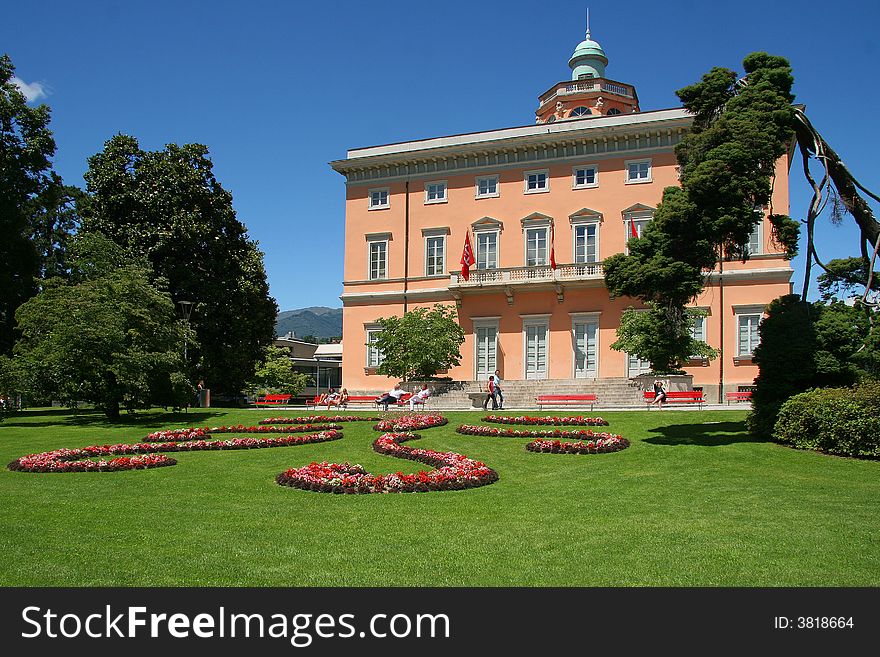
320, 321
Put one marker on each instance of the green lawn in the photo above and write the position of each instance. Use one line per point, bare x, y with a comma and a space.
693, 502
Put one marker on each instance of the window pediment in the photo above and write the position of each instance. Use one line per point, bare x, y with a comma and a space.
487, 223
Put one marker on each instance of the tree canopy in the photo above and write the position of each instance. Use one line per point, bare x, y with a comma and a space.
35, 221
275, 374
168, 207
727, 162
420, 343
109, 337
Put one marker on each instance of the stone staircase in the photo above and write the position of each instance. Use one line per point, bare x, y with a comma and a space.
611, 392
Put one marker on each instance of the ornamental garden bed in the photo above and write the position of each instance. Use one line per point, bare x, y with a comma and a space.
529, 420
451, 471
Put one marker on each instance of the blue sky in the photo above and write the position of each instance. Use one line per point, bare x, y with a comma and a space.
276, 90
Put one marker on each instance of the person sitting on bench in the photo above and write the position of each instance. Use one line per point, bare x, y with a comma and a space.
421, 397
392, 396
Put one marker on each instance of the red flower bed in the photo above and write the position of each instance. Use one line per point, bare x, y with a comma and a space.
574, 421
411, 422
76, 460
598, 446
475, 430
315, 419
452, 472
182, 435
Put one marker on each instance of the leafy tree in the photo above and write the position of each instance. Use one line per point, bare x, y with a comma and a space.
110, 337
727, 161
826, 342
421, 343
26, 149
647, 332
168, 207
275, 374
843, 277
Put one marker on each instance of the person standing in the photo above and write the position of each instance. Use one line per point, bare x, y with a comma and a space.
499, 395
490, 394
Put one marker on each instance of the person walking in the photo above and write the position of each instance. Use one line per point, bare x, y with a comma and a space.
490, 394
499, 395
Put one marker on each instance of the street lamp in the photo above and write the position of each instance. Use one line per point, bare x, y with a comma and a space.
185, 310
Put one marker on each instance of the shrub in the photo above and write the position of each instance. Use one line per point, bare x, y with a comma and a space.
843, 421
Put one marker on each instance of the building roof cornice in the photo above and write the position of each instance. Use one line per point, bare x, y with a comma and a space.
437, 149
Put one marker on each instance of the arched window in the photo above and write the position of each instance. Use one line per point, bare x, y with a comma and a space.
613, 110
580, 111
552, 119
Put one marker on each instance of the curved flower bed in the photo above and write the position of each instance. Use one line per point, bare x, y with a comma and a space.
411, 422
77, 460
452, 472
181, 435
574, 421
476, 430
598, 446
315, 419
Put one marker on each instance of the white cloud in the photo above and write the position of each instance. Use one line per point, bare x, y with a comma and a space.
33, 91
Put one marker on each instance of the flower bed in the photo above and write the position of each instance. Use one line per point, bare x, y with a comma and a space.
579, 434
316, 419
452, 472
598, 446
76, 460
182, 435
411, 422
574, 421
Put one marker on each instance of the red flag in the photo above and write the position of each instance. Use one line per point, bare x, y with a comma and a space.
552, 247
467, 257
633, 231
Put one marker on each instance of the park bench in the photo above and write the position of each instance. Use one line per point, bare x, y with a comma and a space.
678, 397
566, 400
273, 400
741, 396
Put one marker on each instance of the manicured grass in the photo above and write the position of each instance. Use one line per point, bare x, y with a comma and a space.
693, 502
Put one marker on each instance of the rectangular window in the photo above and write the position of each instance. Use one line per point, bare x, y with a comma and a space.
378, 260
536, 247
584, 177
487, 187
535, 337
435, 192
747, 336
638, 171
698, 331
487, 250
585, 243
755, 245
435, 259
536, 182
374, 356
378, 199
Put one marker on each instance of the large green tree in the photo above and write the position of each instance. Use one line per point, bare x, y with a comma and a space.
168, 207
275, 374
727, 161
26, 149
109, 337
420, 343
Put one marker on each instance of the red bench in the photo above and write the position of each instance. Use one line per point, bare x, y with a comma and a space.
742, 395
273, 400
678, 397
566, 400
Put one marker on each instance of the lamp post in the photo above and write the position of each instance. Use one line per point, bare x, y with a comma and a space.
185, 310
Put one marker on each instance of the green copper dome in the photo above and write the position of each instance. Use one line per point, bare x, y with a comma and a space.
588, 60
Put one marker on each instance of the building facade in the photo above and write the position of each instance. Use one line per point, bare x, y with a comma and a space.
572, 188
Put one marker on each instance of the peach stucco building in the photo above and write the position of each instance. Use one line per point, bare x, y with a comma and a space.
587, 175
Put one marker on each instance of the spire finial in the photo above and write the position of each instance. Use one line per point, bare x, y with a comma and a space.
588, 22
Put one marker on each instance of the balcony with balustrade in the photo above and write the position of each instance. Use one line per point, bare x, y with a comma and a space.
544, 277
589, 87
